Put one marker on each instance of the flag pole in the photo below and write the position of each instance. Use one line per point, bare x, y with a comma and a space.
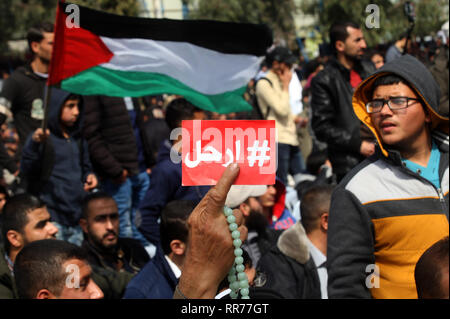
50, 80
47, 97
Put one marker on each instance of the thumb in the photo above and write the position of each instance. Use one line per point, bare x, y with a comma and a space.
218, 193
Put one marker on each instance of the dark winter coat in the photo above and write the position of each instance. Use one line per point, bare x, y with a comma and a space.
333, 120
56, 170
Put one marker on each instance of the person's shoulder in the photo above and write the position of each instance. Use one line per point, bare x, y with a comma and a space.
361, 169
6, 279
132, 245
3, 264
129, 242
368, 67
365, 180
273, 234
266, 81
147, 283
23, 73
325, 75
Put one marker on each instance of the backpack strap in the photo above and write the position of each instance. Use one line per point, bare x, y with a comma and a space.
264, 117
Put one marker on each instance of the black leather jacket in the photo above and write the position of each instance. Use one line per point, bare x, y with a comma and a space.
333, 120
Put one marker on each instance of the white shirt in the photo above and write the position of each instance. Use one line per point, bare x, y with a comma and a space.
319, 260
42, 75
295, 94
174, 267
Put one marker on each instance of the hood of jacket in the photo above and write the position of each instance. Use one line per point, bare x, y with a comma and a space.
57, 99
421, 81
293, 243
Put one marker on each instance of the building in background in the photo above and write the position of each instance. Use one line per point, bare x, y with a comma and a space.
170, 9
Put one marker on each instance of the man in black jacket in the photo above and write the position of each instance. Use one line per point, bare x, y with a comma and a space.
296, 266
105, 248
23, 91
112, 128
333, 120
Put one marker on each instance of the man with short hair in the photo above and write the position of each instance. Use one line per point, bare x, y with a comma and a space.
261, 237
296, 266
157, 280
104, 247
431, 272
54, 269
333, 120
23, 91
24, 219
396, 49
393, 206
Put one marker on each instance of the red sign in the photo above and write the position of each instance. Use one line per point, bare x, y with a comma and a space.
210, 146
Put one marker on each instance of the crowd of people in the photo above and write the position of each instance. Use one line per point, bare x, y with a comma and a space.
359, 208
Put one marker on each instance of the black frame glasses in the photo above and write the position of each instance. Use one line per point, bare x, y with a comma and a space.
394, 103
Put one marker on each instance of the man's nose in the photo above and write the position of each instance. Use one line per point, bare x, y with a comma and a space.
94, 291
52, 229
363, 44
385, 109
109, 224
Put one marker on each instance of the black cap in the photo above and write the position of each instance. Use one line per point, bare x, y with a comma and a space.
280, 54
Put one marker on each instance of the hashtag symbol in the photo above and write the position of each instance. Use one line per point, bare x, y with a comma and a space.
253, 157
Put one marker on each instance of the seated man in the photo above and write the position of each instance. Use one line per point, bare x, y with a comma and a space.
274, 206
54, 269
25, 219
431, 272
295, 267
100, 224
160, 276
261, 237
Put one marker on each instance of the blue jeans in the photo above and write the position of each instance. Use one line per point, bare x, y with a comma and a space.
290, 161
72, 234
128, 195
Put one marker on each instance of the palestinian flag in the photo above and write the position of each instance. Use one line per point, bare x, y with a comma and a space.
207, 62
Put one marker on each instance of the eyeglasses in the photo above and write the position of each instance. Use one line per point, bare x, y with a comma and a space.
394, 103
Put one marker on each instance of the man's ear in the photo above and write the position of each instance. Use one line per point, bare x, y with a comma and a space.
15, 238
340, 46
178, 247
324, 221
45, 294
84, 225
245, 209
427, 116
35, 47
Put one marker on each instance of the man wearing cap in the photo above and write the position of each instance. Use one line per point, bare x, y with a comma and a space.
388, 210
260, 236
272, 93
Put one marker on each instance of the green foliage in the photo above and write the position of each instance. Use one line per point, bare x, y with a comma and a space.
121, 7
430, 15
17, 16
277, 14
6, 23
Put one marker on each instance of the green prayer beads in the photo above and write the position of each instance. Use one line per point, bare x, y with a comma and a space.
236, 277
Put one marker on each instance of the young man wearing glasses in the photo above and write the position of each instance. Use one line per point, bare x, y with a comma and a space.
395, 204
